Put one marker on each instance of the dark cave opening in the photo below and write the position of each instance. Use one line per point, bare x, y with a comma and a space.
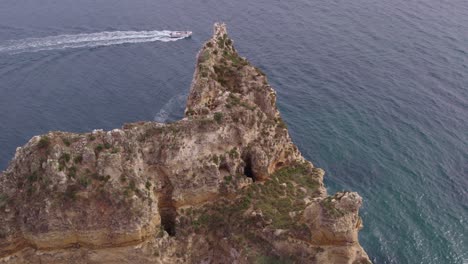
248, 169
279, 165
166, 206
168, 216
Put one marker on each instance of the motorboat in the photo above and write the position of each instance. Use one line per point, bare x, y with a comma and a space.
180, 34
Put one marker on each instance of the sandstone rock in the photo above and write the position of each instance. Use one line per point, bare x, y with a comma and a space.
214, 187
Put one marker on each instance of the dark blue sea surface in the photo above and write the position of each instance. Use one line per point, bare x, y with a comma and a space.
374, 92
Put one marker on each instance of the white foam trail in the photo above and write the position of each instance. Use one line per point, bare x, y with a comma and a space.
106, 38
168, 113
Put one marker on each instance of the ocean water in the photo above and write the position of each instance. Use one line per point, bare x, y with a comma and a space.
374, 92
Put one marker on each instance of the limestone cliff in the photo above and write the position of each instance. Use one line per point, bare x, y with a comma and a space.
223, 185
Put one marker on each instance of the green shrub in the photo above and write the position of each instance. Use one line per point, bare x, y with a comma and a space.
44, 142
31, 190
203, 57
84, 181
262, 259
234, 100
259, 71
228, 179
123, 178
33, 177
233, 153
330, 208
66, 141
245, 203
280, 123
3, 199
190, 112
65, 158
222, 158
205, 122
218, 117
220, 43
107, 145
132, 185
78, 159
215, 159
100, 177
61, 166
72, 172
70, 192
246, 105
99, 148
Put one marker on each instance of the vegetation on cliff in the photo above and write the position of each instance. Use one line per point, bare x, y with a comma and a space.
223, 185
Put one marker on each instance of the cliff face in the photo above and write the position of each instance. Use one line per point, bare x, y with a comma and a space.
223, 185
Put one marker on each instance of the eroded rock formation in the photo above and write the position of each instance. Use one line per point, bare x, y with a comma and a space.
223, 185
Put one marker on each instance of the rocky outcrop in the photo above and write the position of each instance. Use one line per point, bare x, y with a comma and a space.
334, 223
223, 185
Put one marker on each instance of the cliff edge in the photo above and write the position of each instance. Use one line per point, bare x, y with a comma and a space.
223, 185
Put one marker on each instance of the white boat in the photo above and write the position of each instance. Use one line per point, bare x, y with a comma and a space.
180, 34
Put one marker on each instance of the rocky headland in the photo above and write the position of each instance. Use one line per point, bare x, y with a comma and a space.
223, 185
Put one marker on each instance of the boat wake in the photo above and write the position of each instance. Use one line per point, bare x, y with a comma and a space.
173, 110
98, 39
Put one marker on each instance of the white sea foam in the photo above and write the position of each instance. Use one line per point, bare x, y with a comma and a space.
98, 39
170, 110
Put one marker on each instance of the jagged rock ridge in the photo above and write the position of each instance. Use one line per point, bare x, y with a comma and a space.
223, 185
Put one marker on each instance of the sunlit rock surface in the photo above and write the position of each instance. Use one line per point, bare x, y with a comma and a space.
223, 185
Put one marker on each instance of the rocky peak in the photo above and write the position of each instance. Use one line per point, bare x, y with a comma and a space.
223, 79
219, 30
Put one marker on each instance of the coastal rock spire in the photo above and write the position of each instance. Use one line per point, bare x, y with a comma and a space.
171, 193
221, 73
